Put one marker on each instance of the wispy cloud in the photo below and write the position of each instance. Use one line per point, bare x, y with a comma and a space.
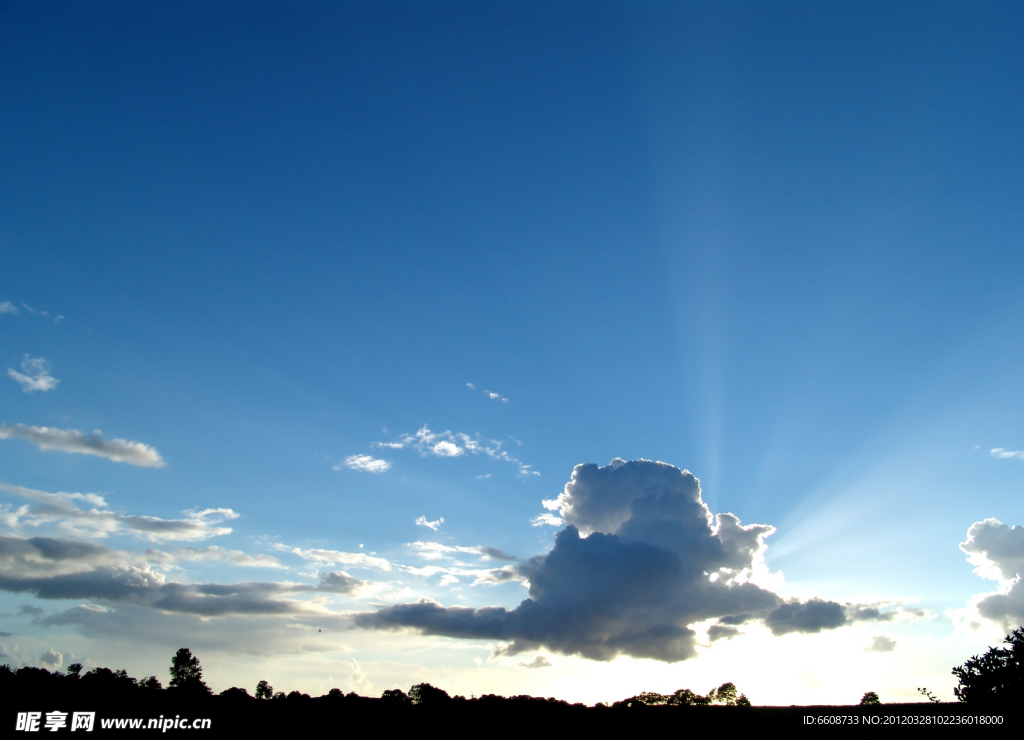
468, 385
72, 440
545, 519
422, 522
36, 375
365, 464
481, 576
334, 557
1002, 454
495, 396
214, 554
7, 307
37, 312
437, 551
61, 509
457, 444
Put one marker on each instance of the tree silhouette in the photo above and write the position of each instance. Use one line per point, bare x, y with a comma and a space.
424, 693
152, 682
870, 698
687, 698
187, 673
997, 676
264, 690
724, 694
395, 695
74, 670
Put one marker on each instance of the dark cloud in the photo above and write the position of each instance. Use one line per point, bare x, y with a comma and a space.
722, 632
1004, 609
51, 659
881, 644
812, 616
339, 582
26, 610
633, 586
641, 560
495, 554
251, 634
132, 585
998, 552
38, 556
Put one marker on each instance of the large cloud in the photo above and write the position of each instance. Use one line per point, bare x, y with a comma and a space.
640, 561
93, 443
997, 551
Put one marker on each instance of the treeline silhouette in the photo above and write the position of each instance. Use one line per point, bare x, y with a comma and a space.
187, 685
993, 682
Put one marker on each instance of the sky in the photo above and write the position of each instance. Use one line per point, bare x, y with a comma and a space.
554, 348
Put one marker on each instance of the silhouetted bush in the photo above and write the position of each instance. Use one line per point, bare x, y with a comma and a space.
870, 698
995, 677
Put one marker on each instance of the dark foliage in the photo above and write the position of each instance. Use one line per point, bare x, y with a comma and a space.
427, 695
115, 694
724, 695
997, 677
187, 673
869, 699
396, 696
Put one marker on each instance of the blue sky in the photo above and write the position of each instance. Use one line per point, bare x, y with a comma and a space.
776, 245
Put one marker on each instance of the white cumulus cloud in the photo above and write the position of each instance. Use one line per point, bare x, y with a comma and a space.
447, 449
72, 440
35, 376
423, 522
365, 464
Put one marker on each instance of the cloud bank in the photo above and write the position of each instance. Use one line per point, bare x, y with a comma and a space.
640, 560
74, 441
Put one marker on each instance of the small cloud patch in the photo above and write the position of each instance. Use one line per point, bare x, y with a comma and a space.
365, 464
881, 644
35, 375
539, 662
